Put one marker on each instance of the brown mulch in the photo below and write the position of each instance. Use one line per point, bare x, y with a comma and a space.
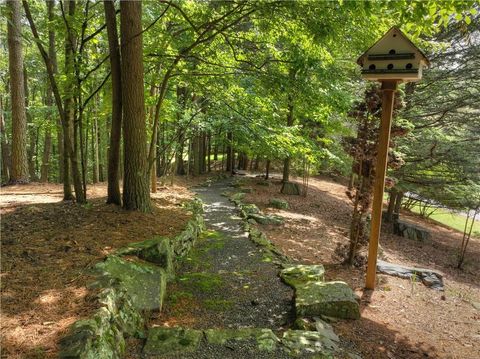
401, 318
48, 247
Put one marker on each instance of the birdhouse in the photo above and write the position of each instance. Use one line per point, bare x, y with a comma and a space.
393, 57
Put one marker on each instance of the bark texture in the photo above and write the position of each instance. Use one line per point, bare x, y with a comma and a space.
113, 195
136, 192
19, 169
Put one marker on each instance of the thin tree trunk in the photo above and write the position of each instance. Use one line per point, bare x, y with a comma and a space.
196, 145
114, 195
466, 238
47, 145
49, 64
30, 129
19, 169
4, 146
286, 162
155, 129
391, 204
267, 169
229, 152
31, 154
215, 149
47, 148
153, 169
209, 152
71, 129
96, 158
181, 103
136, 192
398, 202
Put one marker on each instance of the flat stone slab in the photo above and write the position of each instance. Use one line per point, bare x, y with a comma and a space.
156, 250
410, 231
278, 203
303, 341
144, 282
168, 341
250, 209
428, 277
333, 299
264, 339
302, 273
264, 219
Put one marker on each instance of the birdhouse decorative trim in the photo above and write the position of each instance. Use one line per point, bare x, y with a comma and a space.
393, 57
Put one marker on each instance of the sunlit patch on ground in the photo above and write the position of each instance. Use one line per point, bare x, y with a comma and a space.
48, 249
402, 318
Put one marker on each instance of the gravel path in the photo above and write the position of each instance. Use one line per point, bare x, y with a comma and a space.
225, 281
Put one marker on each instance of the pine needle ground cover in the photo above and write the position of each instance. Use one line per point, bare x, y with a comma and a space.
48, 249
403, 318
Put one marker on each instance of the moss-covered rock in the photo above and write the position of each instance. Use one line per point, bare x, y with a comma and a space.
160, 253
182, 243
246, 190
333, 299
410, 231
278, 203
302, 341
144, 282
249, 209
170, 341
102, 336
294, 275
237, 197
265, 339
263, 219
128, 289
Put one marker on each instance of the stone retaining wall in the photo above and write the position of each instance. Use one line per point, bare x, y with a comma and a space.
410, 231
129, 289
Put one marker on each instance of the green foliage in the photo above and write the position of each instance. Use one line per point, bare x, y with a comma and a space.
243, 66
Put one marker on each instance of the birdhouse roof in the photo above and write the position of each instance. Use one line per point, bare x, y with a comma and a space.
396, 30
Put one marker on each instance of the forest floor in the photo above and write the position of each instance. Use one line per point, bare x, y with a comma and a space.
402, 318
49, 247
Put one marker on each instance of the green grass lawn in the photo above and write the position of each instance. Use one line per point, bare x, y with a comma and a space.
452, 220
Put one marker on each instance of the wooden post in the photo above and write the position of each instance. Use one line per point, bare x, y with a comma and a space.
388, 97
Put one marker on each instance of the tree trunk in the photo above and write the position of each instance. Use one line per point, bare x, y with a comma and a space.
209, 152
155, 130
229, 152
47, 148
70, 133
19, 169
153, 169
398, 203
181, 103
267, 169
47, 145
286, 162
136, 192
4, 146
96, 158
215, 150
391, 204
113, 190
32, 148
196, 154
50, 66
